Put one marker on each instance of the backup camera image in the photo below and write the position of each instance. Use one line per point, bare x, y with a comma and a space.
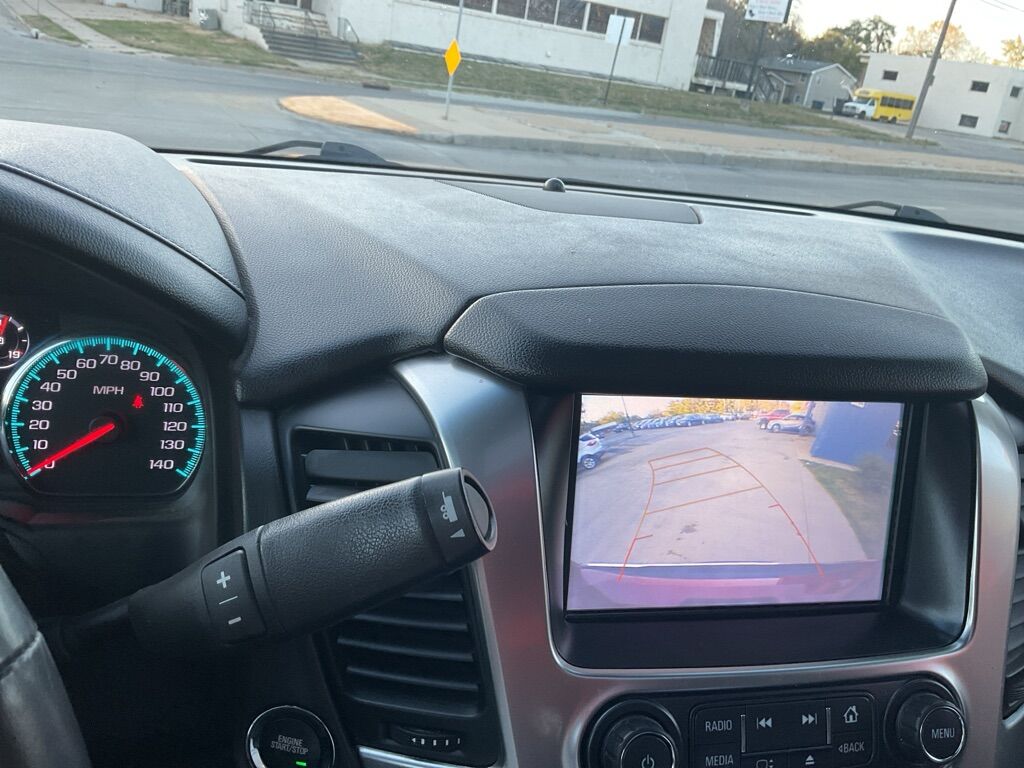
698, 502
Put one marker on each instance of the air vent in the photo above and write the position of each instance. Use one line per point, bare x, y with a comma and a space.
409, 675
415, 653
332, 465
1013, 694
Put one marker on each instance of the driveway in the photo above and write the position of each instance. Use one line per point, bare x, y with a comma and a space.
718, 493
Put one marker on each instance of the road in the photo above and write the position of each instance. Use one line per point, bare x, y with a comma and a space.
172, 103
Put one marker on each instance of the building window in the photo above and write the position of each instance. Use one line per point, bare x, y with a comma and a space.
515, 8
979, 85
598, 19
889, 74
1015, 92
570, 13
652, 28
480, 5
969, 121
1004, 126
541, 10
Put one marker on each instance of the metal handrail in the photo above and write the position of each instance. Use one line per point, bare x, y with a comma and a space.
733, 71
346, 25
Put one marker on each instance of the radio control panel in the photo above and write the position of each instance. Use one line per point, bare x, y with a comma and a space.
917, 722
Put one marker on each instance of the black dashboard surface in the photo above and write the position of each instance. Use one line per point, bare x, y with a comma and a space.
348, 270
335, 272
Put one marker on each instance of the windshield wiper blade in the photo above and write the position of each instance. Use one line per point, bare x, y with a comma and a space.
331, 151
901, 212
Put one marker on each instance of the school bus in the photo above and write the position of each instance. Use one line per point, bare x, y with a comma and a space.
880, 105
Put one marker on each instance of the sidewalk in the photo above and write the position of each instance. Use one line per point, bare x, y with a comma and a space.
67, 14
498, 128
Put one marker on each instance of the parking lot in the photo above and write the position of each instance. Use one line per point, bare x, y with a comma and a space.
716, 493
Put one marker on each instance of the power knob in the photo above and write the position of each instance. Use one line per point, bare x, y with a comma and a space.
638, 741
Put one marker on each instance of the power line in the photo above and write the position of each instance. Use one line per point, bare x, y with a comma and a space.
1002, 6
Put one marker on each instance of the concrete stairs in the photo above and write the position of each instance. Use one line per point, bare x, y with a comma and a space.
296, 33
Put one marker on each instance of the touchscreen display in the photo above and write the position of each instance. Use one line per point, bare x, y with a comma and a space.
698, 502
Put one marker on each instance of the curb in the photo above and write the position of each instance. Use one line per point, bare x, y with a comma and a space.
723, 159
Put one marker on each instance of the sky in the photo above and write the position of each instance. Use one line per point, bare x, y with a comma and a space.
986, 22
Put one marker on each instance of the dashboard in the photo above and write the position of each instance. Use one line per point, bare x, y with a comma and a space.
755, 470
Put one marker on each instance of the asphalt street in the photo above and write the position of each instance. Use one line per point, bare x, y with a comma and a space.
716, 493
172, 103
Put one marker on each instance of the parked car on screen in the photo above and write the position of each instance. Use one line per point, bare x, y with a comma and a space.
690, 420
794, 423
765, 418
713, 418
590, 451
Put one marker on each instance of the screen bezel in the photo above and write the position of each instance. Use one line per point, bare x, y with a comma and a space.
900, 499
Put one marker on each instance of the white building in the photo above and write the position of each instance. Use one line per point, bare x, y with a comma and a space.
979, 99
557, 34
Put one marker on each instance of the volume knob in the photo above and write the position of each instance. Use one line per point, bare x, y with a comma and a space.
638, 741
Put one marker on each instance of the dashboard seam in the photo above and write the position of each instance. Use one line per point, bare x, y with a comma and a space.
120, 216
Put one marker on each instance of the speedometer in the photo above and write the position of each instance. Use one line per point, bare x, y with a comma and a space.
103, 415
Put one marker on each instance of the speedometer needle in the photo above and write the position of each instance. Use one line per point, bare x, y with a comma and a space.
90, 437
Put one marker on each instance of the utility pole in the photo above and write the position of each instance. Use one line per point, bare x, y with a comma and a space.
629, 419
931, 72
451, 77
756, 62
615, 58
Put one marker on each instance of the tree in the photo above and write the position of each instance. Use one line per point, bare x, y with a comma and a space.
956, 47
835, 47
739, 37
1013, 52
874, 35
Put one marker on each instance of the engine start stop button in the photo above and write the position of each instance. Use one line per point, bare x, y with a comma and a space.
289, 737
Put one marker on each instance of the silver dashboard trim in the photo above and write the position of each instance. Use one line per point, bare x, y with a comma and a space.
483, 424
379, 758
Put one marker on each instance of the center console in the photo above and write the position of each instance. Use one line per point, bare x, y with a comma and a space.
770, 641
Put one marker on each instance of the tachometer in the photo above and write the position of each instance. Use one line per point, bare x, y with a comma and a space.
13, 341
103, 415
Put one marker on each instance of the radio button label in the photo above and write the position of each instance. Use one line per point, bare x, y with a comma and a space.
717, 726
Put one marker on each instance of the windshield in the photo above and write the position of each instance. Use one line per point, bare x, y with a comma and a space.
739, 98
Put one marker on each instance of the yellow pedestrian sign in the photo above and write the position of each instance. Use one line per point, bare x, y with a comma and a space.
453, 57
